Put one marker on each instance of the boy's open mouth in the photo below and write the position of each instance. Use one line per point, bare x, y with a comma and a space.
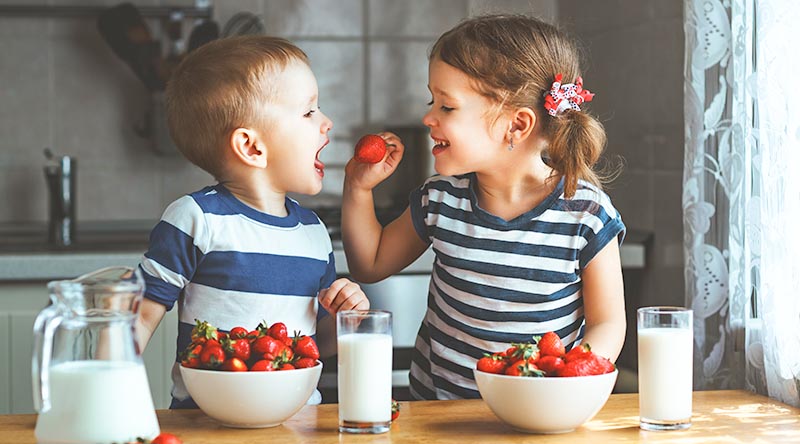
318, 165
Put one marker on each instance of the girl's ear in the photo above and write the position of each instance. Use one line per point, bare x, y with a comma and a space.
248, 147
522, 124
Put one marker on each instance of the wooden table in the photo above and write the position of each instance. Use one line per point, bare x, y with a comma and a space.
729, 416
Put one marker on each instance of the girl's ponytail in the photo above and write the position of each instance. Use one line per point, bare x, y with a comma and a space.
577, 141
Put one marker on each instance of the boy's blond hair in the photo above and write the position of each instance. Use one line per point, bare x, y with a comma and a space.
221, 86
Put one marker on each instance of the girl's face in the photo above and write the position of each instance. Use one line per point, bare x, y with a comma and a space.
459, 125
298, 132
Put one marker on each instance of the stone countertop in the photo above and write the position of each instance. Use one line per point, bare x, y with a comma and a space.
24, 256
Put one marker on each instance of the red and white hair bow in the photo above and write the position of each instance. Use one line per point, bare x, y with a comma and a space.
562, 97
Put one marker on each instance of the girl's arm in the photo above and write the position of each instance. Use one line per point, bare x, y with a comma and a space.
604, 302
375, 252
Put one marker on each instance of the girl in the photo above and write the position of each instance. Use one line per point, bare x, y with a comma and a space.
525, 239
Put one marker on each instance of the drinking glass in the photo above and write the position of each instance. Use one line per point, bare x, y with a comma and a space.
364, 341
665, 347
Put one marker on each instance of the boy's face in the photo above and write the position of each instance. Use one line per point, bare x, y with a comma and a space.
458, 123
298, 132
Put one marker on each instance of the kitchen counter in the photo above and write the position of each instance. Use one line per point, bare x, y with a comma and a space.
728, 416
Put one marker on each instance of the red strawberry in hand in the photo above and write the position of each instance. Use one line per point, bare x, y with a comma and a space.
370, 149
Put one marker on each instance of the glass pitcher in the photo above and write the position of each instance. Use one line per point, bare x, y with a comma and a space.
89, 380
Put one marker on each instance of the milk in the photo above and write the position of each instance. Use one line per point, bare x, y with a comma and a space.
665, 374
365, 377
115, 404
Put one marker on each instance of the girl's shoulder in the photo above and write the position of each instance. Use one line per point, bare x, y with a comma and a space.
591, 199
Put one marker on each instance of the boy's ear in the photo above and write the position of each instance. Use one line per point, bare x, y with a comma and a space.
522, 124
248, 147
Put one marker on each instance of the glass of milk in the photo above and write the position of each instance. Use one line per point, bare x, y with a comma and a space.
665, 348
364, 341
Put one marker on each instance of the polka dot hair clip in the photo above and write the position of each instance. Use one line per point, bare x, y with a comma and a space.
562, 97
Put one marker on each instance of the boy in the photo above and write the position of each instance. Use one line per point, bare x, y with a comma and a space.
245, 110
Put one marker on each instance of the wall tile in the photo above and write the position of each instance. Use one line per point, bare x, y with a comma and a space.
118, 194
224, 10
179, 177
632, 194
330, 18
24, 100
95, 107
546, 10
414, 18
339, 68
23, 194
399, 75
592, 17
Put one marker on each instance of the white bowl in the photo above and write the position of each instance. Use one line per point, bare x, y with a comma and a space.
545, 405
251, 399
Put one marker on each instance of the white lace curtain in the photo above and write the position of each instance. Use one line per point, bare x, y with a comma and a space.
741, 195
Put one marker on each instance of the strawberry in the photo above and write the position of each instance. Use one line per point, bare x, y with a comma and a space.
591, 364
166, 438
395, 409
286, 366
550, 345
278, 331
370, 149
234, 365
238, 333
305, 346
203, 331
305, 363
267, 345
522, 351
578, 352
550, 364
262, 366
212, 356
238, 348
524, 367
191, 356
495, 363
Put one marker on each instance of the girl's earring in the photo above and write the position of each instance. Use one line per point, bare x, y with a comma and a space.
510, 143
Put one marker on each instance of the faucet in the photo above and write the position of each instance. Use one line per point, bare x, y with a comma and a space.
60, 176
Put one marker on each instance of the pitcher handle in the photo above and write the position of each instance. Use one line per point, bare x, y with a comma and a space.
44, 328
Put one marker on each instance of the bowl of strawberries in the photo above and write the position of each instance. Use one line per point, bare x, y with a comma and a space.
250, 378
539, 387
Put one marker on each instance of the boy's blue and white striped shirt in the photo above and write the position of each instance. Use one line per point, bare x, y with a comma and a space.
231, 265
495, 282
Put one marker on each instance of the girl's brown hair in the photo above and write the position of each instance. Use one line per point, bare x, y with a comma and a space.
513, 60
224, 85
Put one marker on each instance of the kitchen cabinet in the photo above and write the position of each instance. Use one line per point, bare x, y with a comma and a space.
19, 305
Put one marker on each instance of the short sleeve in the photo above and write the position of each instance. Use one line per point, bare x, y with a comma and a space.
605, 226
173, 253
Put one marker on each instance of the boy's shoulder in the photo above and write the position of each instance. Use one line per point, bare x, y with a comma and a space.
305, 215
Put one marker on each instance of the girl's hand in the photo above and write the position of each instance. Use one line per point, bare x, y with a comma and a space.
368, 175
343, 294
